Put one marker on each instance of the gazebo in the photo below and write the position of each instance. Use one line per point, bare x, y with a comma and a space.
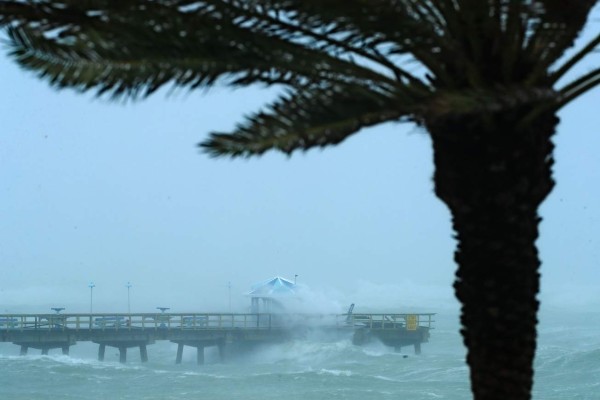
271, 293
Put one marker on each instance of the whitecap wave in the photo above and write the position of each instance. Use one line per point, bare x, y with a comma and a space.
335, 372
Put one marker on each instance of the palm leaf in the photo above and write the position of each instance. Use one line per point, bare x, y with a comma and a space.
553, 32
146, 66
579, 86
249, 49
83, 68
306, 118
580, 55
471, 48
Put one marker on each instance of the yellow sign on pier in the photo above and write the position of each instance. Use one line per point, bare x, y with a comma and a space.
412, 322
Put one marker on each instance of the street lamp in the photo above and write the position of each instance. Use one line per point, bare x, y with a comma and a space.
229, 287
128, 298
163, 318
91, 286
57, 322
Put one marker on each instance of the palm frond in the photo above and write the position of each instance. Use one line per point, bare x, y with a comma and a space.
150, 36
82, 67
46, 15
571, 62
474, 54
306, 118
552, 32
393, 27
580, 86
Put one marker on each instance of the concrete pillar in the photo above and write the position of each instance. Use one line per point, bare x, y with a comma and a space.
179, 353
101, 351
222, 351
417, 348
65, 350
143, 353
122, 354
397, 349
24, 350
200, 355
45, 351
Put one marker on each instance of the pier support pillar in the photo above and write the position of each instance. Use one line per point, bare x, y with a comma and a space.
122, 355
122, 346
46, 345
417, 348
200, 355
221, 351
143, 353
101, 351
179, 353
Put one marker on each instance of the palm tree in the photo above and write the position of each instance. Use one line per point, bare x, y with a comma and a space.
481, 76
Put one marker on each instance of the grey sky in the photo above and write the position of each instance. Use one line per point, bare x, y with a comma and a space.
92, 190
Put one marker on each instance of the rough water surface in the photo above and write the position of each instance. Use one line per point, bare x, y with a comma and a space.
567, 367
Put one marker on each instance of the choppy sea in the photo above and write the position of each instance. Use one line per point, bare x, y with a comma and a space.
567, 367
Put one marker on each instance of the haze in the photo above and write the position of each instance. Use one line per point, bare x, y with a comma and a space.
93, 190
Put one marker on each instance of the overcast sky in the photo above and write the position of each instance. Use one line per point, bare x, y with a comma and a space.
92, 190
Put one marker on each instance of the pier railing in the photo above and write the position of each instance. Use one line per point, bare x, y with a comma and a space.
409, 322
208, 321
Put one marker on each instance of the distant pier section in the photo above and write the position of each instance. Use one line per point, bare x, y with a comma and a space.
229, 332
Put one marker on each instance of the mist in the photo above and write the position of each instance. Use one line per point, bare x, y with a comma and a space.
94, 191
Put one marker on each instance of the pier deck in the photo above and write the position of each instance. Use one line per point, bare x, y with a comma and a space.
200, 330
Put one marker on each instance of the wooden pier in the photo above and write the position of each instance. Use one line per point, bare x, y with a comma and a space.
227, 332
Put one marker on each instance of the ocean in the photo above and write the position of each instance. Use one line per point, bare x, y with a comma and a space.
567, 367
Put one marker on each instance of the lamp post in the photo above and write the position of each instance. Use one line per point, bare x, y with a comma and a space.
91, 286
128, 298
295, 277
163, 318
229, 288
57, 322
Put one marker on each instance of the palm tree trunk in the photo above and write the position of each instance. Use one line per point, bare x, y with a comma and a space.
493, 177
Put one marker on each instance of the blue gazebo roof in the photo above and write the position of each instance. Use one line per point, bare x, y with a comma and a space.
274, 287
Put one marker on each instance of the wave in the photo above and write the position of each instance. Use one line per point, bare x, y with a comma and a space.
334, 372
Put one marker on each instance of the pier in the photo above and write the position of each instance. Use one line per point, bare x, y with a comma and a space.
228, 332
